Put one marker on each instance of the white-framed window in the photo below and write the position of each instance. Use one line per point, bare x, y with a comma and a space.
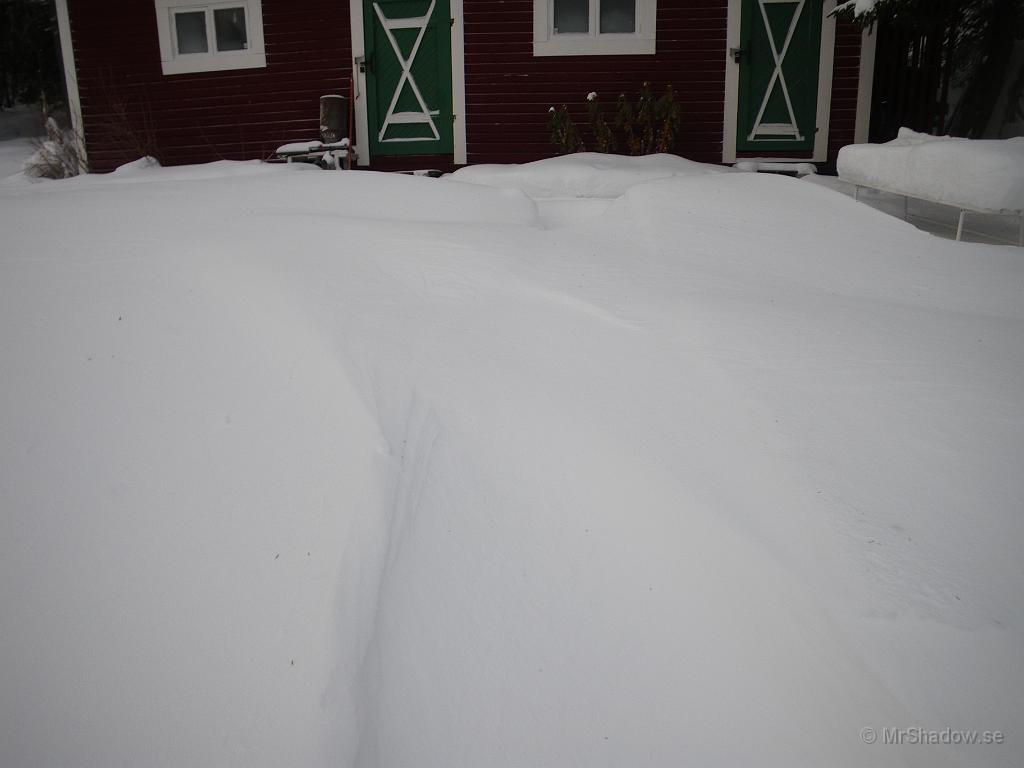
594, 27
207, 37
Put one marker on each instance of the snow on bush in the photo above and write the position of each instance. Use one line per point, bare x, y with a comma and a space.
56, 157
648, 126
857, 7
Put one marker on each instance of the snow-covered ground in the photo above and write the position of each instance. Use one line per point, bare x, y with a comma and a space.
936, 218
649, 464
19, 129
13, 154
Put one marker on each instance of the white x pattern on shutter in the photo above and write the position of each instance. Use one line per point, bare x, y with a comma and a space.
425, 116
777, 129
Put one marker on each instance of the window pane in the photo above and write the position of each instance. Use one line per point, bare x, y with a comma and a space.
571, 16
230, 26
191, 30
618, 16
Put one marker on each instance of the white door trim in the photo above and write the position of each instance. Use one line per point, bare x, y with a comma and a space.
362, 137
732, 83
458, 82
826, 61
865, 81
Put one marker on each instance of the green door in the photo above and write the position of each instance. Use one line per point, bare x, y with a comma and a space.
408, 76
778, 91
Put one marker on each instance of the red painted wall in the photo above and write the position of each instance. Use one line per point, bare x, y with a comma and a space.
845, 78
508, 91
129, 106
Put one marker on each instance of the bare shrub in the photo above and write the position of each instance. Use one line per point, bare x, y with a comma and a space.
57, 155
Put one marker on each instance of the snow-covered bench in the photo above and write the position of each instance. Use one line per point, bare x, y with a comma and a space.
337, 155
974, 175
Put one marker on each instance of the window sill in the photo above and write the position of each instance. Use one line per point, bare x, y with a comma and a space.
588, 45
213, 62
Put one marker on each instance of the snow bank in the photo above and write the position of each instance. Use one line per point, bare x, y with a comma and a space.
144, 164
13, 155
19, 128
985, 175
304, 468
584, 174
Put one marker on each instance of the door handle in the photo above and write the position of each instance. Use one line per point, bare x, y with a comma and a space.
736, 53
365, 64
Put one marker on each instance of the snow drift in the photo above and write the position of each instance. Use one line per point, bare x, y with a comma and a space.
305, 468
977, 174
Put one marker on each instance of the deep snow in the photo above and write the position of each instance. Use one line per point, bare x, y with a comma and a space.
936, 218
978, 174
19, 128
13, 154
649, 464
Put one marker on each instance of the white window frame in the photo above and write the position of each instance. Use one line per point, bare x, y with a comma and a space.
174, 63
546, 42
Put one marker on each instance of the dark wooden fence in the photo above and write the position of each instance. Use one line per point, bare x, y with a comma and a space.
912, 77
926, 46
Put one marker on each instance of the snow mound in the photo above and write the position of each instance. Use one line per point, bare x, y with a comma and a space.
370, 471
136, 166
978, 174
14, 154
584, 174
349, 195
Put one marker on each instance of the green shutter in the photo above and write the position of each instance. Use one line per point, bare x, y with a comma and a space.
408, 76
778, 89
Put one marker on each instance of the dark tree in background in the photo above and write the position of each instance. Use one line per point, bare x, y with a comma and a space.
988, 33
946, 66
30, 65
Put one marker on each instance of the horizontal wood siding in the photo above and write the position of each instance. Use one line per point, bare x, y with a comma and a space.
131, 108
509, 91
845, 80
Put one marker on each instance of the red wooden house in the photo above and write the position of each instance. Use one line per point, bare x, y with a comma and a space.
448, 82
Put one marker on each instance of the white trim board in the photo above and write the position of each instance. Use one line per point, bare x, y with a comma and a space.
825, 62
732, 83
865, 82
361, 139
459, 83
361, 142
643, 41
173, 63
67, 53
